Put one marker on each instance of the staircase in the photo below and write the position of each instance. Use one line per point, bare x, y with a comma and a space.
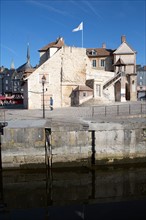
112, 80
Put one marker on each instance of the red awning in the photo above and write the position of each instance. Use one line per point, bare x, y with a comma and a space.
6, 97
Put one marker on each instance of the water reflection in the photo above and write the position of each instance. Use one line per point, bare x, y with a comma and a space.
115, 193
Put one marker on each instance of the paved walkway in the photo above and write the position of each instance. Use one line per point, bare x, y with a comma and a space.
117, 112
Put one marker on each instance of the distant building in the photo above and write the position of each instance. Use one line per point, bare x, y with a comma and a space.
5, 81
141, 82
11, 79
2, 73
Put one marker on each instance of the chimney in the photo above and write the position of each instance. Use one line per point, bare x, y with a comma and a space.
123, 39
103, 45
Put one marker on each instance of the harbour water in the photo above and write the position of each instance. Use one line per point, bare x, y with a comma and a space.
79, 193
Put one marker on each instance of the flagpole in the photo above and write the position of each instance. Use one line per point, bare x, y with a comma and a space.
82, 37
79, 28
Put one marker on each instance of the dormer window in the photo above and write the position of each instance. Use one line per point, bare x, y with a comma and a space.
94, 52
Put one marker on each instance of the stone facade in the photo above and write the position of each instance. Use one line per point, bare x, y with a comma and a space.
64, 71
66, 68
74, 144
128, 57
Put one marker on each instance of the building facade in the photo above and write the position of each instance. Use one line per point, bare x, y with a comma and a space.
108, 75
127, 67
141, 83
11, 80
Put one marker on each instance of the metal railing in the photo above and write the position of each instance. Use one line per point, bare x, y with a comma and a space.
119, 110
98, 111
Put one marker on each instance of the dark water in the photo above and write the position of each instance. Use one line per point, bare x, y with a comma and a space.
67, 194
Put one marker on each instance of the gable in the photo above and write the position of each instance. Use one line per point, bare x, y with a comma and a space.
124, 48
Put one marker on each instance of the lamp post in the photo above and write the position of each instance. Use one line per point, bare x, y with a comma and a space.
43, 82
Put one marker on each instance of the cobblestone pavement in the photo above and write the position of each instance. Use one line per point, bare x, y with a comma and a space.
128, 111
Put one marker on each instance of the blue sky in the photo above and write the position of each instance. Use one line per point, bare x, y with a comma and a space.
39, 22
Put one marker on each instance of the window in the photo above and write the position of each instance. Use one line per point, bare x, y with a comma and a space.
93, 63
94, 52
140, 83
84, 94
6, 81
102, 63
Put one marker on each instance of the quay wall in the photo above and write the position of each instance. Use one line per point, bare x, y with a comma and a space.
78, 145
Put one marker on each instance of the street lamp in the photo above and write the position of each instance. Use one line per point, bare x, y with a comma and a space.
43, 82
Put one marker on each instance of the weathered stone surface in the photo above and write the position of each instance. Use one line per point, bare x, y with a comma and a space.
111, 143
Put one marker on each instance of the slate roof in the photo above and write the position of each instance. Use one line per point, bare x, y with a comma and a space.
100, 52
24, 67
56, 44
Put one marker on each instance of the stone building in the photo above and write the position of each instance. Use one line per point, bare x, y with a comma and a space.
109, 74
64, 71
118, 67
125, 66
80, 95
101, 58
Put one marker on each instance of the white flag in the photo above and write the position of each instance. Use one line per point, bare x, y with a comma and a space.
79, 28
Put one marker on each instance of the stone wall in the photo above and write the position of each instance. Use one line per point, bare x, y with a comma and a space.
73, 144
22, 146
51, 69
67, 66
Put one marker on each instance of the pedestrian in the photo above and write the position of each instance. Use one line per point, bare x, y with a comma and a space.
51, 103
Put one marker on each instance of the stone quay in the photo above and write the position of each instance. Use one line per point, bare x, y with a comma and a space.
75, 136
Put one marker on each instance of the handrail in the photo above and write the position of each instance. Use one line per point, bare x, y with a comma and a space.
113, 79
